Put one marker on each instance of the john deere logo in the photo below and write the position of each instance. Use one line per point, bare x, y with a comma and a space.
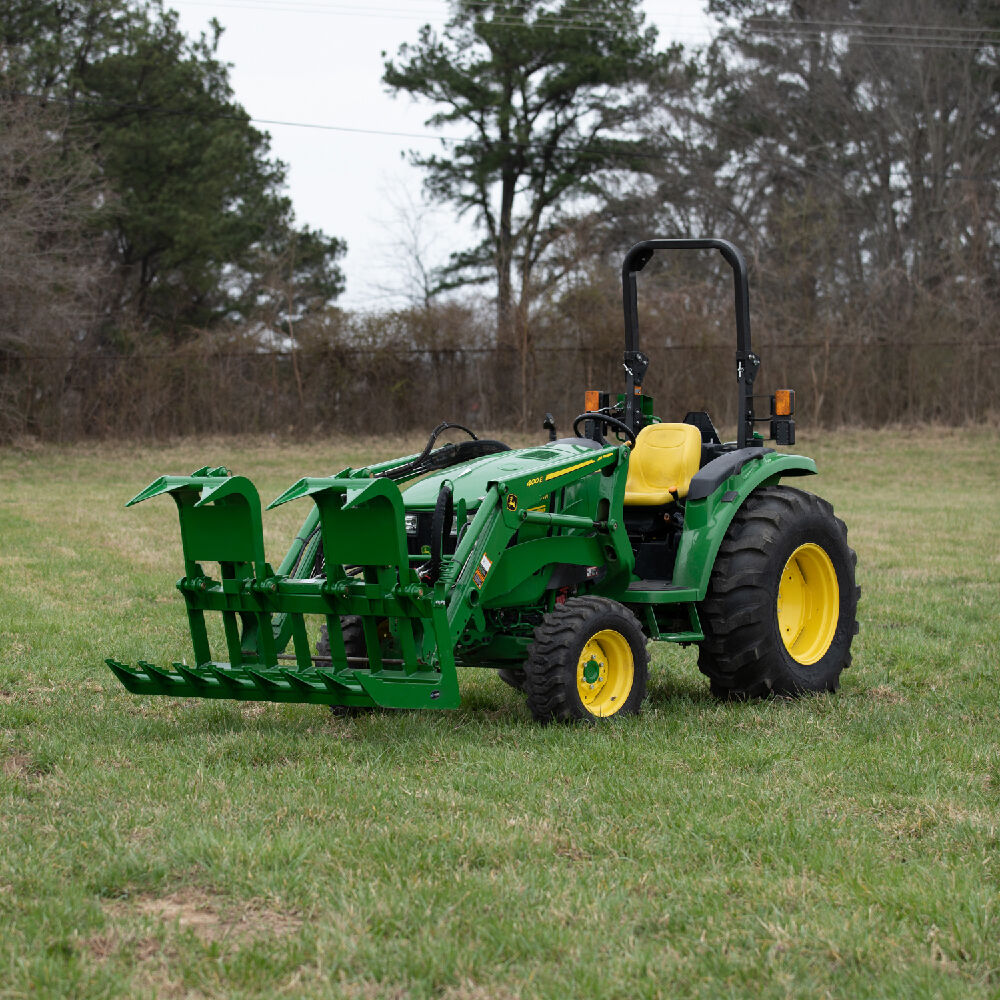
511, 501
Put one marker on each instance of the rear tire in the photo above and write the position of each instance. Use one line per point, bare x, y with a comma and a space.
781, 609
354, 638
515, 678
354, 645
588, 661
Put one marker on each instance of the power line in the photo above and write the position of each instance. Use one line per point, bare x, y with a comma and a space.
878, 40
939, 29
868, 33
597, 25
598, 149
644, 154
410, 12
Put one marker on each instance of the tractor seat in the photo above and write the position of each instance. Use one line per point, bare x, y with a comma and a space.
664, 459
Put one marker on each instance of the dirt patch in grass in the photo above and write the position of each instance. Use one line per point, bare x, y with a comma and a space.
208, 917
154, 961
368, 989
18, 765
887, 695
469, 990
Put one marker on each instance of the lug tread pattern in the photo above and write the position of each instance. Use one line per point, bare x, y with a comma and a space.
354, 638
354, 645
742, 653
550, 670
515, 678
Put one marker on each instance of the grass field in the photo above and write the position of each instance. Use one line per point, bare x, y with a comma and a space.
843, 846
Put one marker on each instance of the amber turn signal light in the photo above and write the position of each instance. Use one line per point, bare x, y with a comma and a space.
784, 402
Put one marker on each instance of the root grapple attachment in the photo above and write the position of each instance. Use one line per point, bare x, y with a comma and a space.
359, 524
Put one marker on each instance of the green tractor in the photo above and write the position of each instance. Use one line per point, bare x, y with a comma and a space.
554, 564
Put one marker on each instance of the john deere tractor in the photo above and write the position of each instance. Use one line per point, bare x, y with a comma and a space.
555, 564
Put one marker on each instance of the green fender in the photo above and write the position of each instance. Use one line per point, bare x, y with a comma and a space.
707, 519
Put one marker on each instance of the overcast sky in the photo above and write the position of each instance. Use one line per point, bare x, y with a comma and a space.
319, 63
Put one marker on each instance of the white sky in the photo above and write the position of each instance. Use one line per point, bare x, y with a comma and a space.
319, 62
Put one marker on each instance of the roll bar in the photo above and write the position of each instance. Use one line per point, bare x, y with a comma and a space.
636, 362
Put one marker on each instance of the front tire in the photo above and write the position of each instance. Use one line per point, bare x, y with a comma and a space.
588, 661
515, 678
781, 609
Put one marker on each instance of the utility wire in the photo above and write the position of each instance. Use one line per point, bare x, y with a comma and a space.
581, 17
647, 153
940, 29
873, 33
542, 20
876, 40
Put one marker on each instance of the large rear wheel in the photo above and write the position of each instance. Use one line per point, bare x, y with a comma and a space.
354, 645
781, 609
588, 661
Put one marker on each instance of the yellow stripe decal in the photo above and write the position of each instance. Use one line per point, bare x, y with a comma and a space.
579, 465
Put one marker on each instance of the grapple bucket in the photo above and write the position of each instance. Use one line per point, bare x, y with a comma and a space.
402, 654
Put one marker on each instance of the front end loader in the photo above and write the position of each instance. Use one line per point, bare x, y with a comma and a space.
554, 564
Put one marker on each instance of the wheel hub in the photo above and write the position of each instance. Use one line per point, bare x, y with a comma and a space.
808, 604
605, 672
592, 671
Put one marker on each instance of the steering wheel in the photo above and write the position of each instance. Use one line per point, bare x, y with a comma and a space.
618, 425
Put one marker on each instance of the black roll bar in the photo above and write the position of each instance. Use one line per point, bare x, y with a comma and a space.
636, 362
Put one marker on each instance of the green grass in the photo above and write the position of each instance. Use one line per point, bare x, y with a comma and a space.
844, 846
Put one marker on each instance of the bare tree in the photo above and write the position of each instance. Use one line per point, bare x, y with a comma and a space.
412, 246
49, 261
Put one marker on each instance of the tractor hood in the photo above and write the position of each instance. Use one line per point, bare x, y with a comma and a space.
470, 480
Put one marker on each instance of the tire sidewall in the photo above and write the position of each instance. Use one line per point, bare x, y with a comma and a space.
620, 620
823, 674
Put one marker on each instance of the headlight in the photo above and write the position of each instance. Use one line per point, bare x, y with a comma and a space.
410, 522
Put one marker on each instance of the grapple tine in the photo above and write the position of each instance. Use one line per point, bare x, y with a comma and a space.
162, 677
265, 682
335, 683
190, 676
299, 682
226, 679
131, 679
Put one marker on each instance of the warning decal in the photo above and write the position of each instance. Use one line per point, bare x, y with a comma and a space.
479, 576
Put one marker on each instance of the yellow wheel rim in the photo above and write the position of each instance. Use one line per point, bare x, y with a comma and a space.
808, 603
605, 672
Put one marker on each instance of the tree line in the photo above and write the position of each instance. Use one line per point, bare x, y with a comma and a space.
850, 147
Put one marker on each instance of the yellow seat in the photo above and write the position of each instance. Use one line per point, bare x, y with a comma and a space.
664, 459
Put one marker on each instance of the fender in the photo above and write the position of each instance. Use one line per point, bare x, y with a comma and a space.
708, 516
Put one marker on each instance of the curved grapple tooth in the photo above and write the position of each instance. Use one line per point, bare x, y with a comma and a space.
227, 680
298, 681
267, 683
335, 683
198, 680
161, 680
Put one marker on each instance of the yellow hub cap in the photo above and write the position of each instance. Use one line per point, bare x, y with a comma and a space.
605, 672
808, 603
